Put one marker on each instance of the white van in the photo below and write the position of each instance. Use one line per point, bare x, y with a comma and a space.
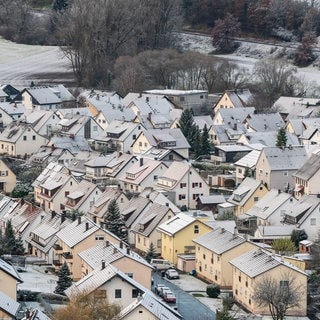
161, 264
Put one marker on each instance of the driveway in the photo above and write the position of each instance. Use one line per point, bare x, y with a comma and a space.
187, 305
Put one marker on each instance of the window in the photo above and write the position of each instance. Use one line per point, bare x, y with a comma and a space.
182, 196
204, 257
255, 199
33, 137
24, 138
284, 283
140, 144
313, 221
239, 170
181, 99
129, 274
135, 293
155, 178
95, 128
196, 229
239, 278
117, 293
134, 136
183, 185
99, 237
285, 173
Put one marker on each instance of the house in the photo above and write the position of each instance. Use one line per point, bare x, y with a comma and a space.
82, 198
108, 281
263, 122
76, 237
183, 184
259, 140
269, 210
43, 122
229, 153
10, 90
276, 166
99, 208
74, 145
145, 230
304, 215
20, 140
246, 166
104, 169
118, 136
52, 186
210, 202
177, 234
80, 126
297, 107
306, 179
149, 307
161, 154
223, 134
238, 98
46, 97
8, 175
213, 252
10, 280
142, 174
171, 139
232, 116
246, 195
196, 100
255, 267
9, 308
120, 257
42, 237
9, 112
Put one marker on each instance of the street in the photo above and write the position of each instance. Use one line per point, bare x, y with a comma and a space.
187, 305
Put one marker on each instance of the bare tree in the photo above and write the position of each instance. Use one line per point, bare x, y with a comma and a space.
224, 32
279, 295
86, 305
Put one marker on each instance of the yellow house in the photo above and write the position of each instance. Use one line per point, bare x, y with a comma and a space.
119, 256
247, 194
75, 238
8, 178
145, 231
254, 269
9, 279
177, 234
214, 250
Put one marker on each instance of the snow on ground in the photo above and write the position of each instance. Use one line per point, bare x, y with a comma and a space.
20, 64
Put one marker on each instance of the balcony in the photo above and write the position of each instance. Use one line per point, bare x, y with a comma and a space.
57, 247
67, 255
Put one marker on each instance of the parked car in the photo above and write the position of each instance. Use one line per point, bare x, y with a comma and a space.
169, 297
164, 290
161, 264
172, 274
158, 287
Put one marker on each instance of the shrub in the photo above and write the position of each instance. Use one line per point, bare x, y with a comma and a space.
213, 291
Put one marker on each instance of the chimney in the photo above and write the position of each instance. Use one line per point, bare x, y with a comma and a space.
103, 264
121, 245
79, 220
115, 250
87, 226
63, 217
128, 250
52, 147
141, 162
53, 214
147, 99
107, 243
235, 232
149, 116
222, 230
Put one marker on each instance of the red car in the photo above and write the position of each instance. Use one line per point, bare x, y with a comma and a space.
169, 297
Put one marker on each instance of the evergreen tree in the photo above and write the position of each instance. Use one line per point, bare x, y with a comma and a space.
297, 236
282, 138
196, 144
64, 279
205, 143
59, 5
10, 244
247, 172
187, 126
114, 221
151, 254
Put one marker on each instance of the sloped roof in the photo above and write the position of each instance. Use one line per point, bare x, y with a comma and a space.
231, 116
9, 305
309, 168
74, 145
240, 98
274, 231
262, 122
109, 253
212, 199
289, 158
176, 224
10, 270
258, 261
220, 240
249, 160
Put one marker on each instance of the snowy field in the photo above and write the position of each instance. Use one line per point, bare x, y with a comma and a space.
21, 64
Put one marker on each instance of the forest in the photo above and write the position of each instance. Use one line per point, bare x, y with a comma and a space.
132, 45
